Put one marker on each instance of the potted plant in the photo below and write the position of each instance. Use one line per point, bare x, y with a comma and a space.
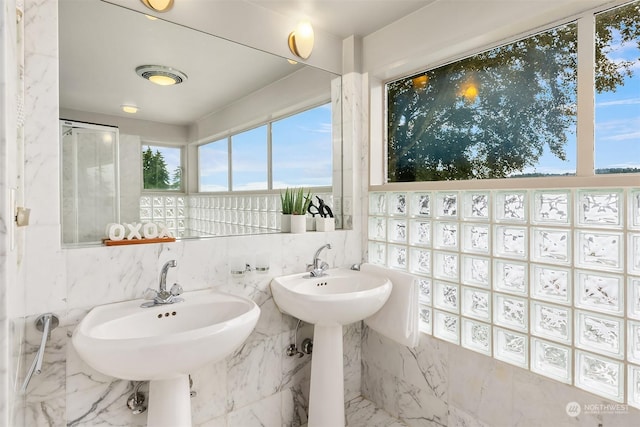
294, 209
286, 200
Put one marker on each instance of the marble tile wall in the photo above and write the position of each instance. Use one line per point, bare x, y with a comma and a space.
11, 141
442, 384
257, 385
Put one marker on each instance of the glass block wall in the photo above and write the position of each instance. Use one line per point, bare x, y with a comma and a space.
170, 210
205, 215
534, 278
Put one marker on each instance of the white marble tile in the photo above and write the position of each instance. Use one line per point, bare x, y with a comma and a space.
483, 387
263, 413
254, 371
46, 285
361, 412
94, 399
50, 413
533, 408
459, 418
426, 366
210, 386
352, 338
103, 275
418, 407
216, 422
295, 404
375, 351
380, 387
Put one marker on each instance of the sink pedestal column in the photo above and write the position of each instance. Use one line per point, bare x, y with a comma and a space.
326, 397
169, 403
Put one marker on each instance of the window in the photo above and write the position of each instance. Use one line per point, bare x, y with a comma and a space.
213, 171
294, 151
512, 111
617, 110
249, 160
161, 167
302, 149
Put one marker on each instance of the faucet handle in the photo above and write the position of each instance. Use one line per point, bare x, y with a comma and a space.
175, 290
149, 293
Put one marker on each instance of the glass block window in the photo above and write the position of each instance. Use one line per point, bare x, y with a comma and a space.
547, 280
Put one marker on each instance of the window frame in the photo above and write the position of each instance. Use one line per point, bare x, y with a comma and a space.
268, 123
183, 169
585, 175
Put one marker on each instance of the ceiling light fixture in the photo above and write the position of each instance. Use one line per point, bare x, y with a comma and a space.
131, 109
158, 5
161, 75
301, 40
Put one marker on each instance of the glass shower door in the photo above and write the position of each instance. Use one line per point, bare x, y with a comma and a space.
90, 185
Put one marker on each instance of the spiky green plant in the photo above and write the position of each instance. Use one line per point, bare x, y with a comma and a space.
300, 202
287, 201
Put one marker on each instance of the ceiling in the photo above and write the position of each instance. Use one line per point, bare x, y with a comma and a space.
345, 17
101, 45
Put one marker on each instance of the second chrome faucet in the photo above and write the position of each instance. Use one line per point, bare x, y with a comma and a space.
318, 267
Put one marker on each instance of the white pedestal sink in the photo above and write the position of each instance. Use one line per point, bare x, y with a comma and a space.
163, 344
341, 297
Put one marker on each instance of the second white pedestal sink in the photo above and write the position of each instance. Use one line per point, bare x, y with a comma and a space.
164, 343
341, 297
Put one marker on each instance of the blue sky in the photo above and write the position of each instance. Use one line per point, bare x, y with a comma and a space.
301, 153
617, 123
618, 117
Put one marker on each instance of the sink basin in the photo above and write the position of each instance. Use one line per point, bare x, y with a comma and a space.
341, 297
164, 344
126, 341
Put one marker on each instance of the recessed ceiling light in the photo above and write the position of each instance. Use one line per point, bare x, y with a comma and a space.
158, 5
161, 75
131, 109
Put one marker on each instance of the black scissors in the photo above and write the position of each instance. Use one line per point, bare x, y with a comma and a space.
323, 210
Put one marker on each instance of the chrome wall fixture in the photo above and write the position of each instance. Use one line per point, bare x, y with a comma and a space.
307, 345
45, 324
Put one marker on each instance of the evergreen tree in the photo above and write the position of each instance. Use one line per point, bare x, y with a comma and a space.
154, 170
176, 182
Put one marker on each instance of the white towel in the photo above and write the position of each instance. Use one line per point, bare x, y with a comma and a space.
398, 317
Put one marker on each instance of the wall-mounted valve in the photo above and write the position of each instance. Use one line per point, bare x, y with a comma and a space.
136, 400
307, 345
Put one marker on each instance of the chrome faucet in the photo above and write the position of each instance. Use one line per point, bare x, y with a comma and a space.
318, 267
162, 296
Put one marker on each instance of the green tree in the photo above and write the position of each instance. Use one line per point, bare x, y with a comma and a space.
154, 170
176, 182
493, 114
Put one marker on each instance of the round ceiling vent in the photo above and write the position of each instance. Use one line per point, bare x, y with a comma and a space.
161, 75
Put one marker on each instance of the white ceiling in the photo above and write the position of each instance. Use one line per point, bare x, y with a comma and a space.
101, 45
345, 17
